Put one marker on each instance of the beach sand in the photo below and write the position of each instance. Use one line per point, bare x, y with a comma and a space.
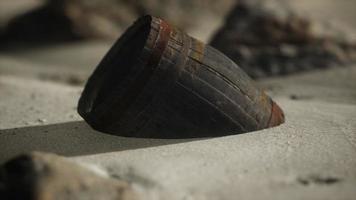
295, 160
311, 156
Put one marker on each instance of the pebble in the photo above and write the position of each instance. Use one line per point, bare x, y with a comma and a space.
42, 120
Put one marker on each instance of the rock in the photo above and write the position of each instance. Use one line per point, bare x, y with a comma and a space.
47, 176
269, 38
11, 9
58, 21
68, 20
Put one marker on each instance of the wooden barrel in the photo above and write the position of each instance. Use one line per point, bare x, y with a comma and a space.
158, 82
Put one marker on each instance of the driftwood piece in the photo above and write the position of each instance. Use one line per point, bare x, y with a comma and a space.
156, 81
268, 38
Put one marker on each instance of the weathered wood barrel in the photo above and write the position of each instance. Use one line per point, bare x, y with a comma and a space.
158, 82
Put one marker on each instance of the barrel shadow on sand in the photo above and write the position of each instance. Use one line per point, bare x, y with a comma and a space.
70, 139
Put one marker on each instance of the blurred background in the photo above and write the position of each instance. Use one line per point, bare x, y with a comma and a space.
63, 40
108, 18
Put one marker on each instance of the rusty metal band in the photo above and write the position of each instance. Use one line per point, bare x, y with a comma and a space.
160, 44
265, 104
134, 91
171, 73
183, 58
277, 116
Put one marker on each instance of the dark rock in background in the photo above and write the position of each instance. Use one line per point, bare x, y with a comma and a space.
269, 38
68, 20
47, 176
265, 38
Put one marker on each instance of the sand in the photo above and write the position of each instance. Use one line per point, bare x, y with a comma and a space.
311, 156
